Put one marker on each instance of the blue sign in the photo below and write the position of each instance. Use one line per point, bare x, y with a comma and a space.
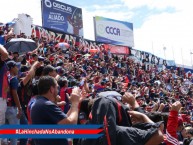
51, 131
62, 17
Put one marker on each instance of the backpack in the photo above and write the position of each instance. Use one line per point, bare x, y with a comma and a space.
108, 112
116, 124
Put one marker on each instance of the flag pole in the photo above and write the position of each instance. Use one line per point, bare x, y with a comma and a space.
182, 58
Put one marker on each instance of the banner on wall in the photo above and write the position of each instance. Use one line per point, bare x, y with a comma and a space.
62, 17
113, 31
146, 57
117, 49
57, 36
51, 35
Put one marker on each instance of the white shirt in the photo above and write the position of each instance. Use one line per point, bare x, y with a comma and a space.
191, 143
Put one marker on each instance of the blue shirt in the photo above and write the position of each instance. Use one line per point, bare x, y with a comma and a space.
13, 84
103, 70
44, 111
3, 79
2, 40
45, 50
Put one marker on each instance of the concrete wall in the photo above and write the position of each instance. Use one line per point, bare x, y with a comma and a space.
23, 24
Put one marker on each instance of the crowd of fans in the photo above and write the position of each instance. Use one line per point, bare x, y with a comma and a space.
53, 85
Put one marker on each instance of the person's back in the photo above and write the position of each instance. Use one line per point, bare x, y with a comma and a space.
42, 109
45, 111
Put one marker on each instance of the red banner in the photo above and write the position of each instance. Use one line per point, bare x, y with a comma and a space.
117, 49
39, 32
50, 131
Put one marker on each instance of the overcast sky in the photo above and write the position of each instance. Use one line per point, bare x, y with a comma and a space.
157, 23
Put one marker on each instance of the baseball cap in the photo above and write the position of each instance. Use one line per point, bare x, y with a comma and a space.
60, 70
180, 121
47, 69
11, 64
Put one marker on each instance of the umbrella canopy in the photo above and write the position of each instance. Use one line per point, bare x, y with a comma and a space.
20, 45
93, 50
112, 94
87, 55
63, 45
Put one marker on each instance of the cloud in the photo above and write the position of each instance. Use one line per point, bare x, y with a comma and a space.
107, 7
11, 8
171, 30
158, 4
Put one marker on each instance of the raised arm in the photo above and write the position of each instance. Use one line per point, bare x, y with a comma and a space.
171, 132
3, 52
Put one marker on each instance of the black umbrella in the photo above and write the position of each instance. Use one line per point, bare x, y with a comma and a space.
20, 45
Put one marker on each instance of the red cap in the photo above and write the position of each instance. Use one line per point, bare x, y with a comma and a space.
51, 58
186, 118
180, 121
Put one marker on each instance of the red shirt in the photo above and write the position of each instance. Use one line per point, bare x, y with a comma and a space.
172, 125
126, 79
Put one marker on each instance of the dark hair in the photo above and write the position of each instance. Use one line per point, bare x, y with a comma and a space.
39, 71
24, 61
1, 32
24, 68
47, 69
45, 83
62, 82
